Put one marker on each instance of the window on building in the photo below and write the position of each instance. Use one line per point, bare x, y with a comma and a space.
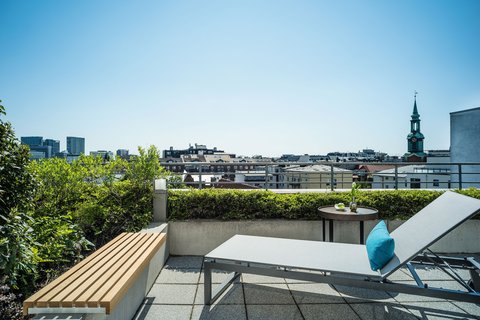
436, 183
415, 183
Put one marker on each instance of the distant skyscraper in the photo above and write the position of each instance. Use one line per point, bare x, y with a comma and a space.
49, 147
75, 145
32, 141
123, 153
47, 151
55, 144
415, 138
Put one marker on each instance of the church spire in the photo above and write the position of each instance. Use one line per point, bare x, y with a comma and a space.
415, 137
415, 114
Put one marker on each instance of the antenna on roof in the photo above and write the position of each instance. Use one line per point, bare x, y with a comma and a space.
415, 94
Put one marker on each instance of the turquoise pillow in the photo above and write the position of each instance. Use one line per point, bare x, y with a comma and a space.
380, 246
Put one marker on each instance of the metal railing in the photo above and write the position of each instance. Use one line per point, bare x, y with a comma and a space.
327, 175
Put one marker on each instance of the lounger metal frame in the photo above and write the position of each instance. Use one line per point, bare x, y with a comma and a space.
424, 257
421, 289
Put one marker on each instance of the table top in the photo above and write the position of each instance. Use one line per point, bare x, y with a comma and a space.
362, 214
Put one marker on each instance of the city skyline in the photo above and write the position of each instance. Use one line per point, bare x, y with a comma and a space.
250, 78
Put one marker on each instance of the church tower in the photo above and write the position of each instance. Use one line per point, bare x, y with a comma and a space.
415, 137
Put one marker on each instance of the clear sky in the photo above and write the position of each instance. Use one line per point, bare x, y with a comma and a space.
249, 77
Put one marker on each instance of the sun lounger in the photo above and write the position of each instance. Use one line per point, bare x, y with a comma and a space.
348, 264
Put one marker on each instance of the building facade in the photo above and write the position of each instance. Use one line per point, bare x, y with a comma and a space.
75, 145
54, 144
40, 148
199, 149
315, 177
32, 140
465, 147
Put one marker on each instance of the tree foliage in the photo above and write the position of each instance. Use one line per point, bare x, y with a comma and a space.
18, 258
52, 211
16, 183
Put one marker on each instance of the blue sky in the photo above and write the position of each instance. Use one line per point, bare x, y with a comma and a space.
250, 77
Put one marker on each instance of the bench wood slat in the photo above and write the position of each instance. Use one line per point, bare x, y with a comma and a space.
89, 279
62, 281
53, 298
89, 297
103, 278
130, 275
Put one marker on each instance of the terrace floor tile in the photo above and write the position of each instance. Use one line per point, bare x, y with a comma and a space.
387, 311
437, 310
273, 312
184, 262
178, 294
308, 293
267, 294
163, 311
233, 295
178, 276
172, 294
219, 312
328, 312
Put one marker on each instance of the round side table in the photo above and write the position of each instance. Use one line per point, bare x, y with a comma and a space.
330, 213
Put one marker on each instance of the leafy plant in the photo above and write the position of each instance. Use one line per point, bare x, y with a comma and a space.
16, 183
18, 256
18, 259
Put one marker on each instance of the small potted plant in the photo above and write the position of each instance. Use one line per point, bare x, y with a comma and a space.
353, 193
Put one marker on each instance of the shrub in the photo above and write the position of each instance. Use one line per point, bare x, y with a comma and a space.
239, 205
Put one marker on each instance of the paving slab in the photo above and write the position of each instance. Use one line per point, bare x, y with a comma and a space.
328, 311
361, 295
186, 276
400, 274
404, 297
219, 312
172, 294
315, 293
184, 262
273, 312
162, 311
378, 311
273, 293
178, 294
433, 273
437, 310
218, 276
233, 295
470, 308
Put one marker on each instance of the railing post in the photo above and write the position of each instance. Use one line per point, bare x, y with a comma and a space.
266, 177
199, 176
459, 176
331, 178
160, 195
396, 177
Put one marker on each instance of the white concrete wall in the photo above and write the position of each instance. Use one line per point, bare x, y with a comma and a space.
198, 237
465, 145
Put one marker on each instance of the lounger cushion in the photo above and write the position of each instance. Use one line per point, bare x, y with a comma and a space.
380, 246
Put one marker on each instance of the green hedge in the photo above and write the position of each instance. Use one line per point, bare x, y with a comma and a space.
241, 205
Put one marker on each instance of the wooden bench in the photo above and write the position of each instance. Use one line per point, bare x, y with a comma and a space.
113, 277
